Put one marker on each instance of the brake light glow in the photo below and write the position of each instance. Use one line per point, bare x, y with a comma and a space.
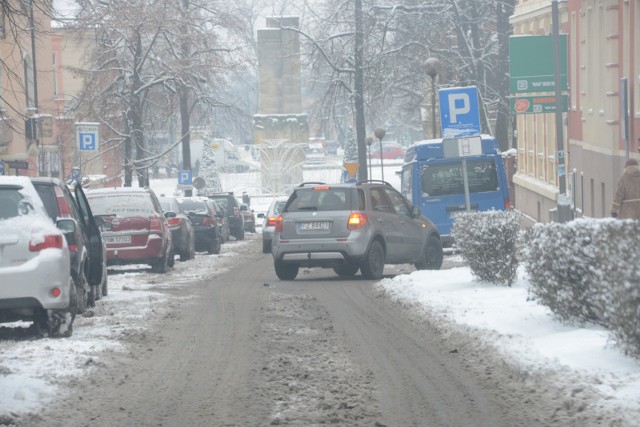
73, 248
357, 220
279, 227
271, 221
322, 187
47, 241
56, 292
174, 221
507, 203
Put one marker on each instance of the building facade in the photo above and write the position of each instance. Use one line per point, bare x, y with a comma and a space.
603, 40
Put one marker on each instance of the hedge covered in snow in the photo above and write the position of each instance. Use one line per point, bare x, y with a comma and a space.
487, 242
588, 271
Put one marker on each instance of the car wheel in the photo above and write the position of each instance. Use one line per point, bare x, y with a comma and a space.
171, 261
81, 293
433, 255
347, 270
286, 271
266, 246
214, 246
104, 285
240, 234
59, 323
373, 264
161, 265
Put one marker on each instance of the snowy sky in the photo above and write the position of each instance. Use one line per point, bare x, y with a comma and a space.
523, 331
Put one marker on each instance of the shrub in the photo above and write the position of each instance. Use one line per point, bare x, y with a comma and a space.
487, 242
587, 271
559, 258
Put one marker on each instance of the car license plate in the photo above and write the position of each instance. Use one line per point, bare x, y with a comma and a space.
117, 239
315, 226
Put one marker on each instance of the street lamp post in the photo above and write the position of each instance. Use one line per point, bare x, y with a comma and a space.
379, 132
432, 65
369, 141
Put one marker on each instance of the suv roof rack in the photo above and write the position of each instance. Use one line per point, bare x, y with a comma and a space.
379, 181
304, 184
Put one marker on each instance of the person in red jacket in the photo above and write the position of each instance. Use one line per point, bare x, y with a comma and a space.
626, 203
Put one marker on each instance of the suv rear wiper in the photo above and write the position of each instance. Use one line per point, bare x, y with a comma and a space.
308, 208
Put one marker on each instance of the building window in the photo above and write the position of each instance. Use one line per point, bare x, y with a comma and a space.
28, 82
2, 29
55, 75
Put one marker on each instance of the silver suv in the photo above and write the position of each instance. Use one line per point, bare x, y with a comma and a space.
351, 227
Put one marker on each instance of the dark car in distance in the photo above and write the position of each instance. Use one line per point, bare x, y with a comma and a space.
205, 222
249, 218
86, 247
223, 221
232, 209
133, 226
182, 232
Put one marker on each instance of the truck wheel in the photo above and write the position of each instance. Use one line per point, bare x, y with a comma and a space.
373, 264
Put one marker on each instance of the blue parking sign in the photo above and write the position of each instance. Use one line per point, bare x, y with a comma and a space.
87, 141
185, 177
459, 112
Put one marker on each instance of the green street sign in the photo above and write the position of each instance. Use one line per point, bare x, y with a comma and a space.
531, 64
537, 104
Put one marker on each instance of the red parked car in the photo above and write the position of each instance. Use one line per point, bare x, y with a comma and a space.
133, 227
390, 151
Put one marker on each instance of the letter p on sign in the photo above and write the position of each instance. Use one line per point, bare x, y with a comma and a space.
458, 105
459, 111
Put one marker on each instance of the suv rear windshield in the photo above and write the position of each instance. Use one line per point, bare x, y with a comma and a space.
122, 205
9, 201
193, 206
329, 199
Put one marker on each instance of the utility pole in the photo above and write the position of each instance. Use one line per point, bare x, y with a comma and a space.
359, 94
564, 207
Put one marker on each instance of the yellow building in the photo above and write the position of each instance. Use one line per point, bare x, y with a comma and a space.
603, 45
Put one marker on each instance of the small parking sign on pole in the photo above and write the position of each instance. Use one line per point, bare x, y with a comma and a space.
88, 136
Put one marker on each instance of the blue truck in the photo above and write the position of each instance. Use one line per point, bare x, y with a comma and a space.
433, 180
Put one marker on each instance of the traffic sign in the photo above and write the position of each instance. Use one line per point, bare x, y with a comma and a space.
459, 111
185, 177
88, 136
531, 65
17, 164
537, 104
3, 168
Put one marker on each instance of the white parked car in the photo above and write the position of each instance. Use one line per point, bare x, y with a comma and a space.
34, 261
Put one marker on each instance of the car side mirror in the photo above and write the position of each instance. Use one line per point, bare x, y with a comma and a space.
170, 214
415, 211
99, 221
66, 225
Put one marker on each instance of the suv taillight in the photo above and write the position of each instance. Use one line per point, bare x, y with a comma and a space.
208, 221
357, 220
507, 204
39, 242
271, 221
155, 224
279, 224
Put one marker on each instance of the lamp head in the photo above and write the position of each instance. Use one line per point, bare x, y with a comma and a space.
379, 132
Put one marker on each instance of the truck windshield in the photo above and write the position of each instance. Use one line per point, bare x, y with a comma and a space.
446, 178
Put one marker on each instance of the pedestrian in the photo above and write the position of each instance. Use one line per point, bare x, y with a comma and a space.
626, 203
